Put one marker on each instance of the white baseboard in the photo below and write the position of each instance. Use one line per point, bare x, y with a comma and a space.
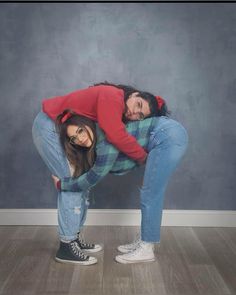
125, 217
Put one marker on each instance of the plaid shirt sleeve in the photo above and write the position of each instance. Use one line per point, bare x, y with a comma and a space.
141, 131
109, 159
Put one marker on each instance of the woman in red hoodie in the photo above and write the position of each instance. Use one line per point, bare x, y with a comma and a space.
111, 106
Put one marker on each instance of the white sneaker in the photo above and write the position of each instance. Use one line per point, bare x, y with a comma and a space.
143, 253
130, 247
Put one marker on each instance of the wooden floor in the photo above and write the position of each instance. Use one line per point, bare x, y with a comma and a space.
189, 261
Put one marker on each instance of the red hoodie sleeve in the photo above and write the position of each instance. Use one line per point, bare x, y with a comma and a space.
109, 116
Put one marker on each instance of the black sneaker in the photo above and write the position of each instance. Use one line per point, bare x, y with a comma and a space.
71, 253
89, 247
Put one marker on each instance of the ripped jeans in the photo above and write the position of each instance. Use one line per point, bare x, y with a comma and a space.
72, 206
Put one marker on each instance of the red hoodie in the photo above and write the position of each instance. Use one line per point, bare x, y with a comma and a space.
105, 105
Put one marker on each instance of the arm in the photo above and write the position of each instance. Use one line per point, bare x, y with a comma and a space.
109, 159
106, 156
110, 110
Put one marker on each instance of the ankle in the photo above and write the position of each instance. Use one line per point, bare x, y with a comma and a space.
147, 245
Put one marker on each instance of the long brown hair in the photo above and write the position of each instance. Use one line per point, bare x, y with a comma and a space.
81, 158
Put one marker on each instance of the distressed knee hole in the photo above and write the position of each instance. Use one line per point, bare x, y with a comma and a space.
77, 210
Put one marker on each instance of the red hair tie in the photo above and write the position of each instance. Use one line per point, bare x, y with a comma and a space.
65, 117
160, 101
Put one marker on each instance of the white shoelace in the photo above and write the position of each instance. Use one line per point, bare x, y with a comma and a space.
83, 243
136, 251
136, 241
77, 251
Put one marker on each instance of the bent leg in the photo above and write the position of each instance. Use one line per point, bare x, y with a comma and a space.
70, 204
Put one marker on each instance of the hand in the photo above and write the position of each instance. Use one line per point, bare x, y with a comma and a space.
144, 161
55, 180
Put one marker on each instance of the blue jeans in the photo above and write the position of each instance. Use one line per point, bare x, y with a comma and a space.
72, 206
167, 144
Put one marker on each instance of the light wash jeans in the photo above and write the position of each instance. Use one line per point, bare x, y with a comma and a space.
72, 206
167, 144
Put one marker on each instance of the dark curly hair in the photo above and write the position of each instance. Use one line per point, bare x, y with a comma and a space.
149, 97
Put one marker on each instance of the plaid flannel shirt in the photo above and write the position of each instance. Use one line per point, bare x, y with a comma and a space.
109, 159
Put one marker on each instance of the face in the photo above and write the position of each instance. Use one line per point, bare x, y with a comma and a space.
80, 135
137, 108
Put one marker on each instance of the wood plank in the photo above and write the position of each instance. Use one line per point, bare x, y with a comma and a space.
168, 244
47, 233
229, 236
176, 276
10, 257
208, 280
117, 278
88, 279
25, 232
147, 278
189, 261
26, 276
190, 246
221, 254
211, 239
56, 278
6, 233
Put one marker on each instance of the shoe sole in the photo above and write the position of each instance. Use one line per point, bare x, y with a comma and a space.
76, 262
125, 251
93, 250
120, 260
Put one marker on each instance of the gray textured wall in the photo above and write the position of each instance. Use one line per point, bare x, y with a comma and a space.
184, 52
